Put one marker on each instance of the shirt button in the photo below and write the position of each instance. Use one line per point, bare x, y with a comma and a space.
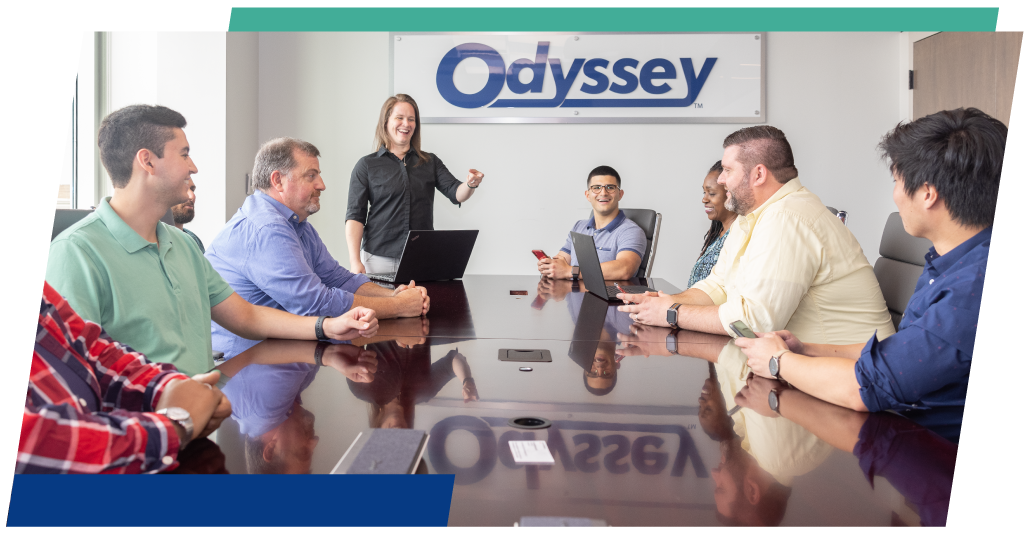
167, 459
82, 402
931, 281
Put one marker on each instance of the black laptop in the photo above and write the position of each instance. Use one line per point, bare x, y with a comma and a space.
432, 255
590, 270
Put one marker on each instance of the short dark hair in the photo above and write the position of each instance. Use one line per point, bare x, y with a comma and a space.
764, 145
959, 152
604, 170
717, 166
277, 155
124, 132
600, 391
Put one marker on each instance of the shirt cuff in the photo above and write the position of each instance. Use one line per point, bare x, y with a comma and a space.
715, 292
732, 311
640, 254
166, 455
871, 395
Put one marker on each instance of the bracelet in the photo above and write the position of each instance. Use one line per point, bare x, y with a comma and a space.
319, 333
467, 379
470, 185
319, 349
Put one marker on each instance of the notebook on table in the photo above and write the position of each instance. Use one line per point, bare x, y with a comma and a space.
384, 451
590, 270
432, 255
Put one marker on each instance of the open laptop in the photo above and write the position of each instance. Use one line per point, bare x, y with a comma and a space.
432, 255
590, 270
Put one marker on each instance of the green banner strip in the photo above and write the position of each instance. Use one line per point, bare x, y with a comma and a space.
247, 19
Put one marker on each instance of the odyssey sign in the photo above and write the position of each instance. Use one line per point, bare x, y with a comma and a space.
650, 80
582, 78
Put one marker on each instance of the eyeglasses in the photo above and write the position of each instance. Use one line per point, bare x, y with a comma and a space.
610, 188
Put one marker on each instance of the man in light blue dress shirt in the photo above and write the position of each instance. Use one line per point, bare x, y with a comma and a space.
620, 242
272, 256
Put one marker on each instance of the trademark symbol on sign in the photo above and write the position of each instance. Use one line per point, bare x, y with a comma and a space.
698, 105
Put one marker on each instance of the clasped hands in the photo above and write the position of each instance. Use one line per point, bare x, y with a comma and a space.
649, 308
411, 292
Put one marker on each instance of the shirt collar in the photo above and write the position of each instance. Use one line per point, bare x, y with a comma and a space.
943, 263
791, 186
381, 151
125, 235
610, 226
290, 215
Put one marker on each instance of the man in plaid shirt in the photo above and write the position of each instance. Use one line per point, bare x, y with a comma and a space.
96, 406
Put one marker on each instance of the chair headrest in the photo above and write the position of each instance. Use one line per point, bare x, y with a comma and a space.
899, 245
644, 218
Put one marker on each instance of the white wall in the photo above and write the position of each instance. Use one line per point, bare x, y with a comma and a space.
833, 94
184, 71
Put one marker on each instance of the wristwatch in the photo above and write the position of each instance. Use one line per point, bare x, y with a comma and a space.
575, 273
182, 417
774, 400
319, 333
671, 344
672, 315
319, 349
774, 363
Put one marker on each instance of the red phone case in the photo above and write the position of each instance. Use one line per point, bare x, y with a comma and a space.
540, 255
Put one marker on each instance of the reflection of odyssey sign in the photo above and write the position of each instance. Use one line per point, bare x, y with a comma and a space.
648, 462
626, 81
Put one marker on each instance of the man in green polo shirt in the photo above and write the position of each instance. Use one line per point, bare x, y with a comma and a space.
141, 279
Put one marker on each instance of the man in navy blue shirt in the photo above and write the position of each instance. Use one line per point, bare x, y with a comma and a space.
947, 168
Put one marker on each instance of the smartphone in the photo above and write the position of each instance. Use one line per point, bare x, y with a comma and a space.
540, 255
742, 329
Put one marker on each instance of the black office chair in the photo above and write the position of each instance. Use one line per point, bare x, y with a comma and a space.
651, 222
64, 218
841, 214
901, 261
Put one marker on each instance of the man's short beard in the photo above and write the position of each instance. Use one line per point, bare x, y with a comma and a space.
741, 201
312, 209
182, 214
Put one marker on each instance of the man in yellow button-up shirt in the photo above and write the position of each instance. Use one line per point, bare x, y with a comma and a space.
787, 263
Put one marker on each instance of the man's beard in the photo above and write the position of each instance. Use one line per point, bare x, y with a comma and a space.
312, 208
182, 214
741, 200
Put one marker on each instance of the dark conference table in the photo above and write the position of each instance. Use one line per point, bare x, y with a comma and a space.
640, 436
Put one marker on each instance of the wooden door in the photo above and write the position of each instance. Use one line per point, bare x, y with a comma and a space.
966, 69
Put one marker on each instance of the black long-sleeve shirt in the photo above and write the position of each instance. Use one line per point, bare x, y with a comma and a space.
401, 197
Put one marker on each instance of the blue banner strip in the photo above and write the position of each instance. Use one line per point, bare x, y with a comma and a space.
230, 500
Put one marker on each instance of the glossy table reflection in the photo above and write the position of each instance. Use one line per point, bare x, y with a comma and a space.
641, 433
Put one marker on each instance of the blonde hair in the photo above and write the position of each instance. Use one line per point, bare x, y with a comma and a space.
382, 139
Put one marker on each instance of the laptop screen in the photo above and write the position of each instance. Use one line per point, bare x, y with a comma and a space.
589, 264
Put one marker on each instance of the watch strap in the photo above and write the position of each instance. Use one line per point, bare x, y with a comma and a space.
186, 422
672, 315
575, 273
319, 333
776, 357
319, 350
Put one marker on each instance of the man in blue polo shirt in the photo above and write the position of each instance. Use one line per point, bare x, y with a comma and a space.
947, 170
620, 242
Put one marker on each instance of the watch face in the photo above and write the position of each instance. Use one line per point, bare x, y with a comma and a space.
774, 401
774, 366
671, 316
177, 413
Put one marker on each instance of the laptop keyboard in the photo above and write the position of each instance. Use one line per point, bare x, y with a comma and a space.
613, 291
385, 277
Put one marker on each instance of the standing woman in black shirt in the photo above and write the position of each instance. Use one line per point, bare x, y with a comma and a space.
391, 190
